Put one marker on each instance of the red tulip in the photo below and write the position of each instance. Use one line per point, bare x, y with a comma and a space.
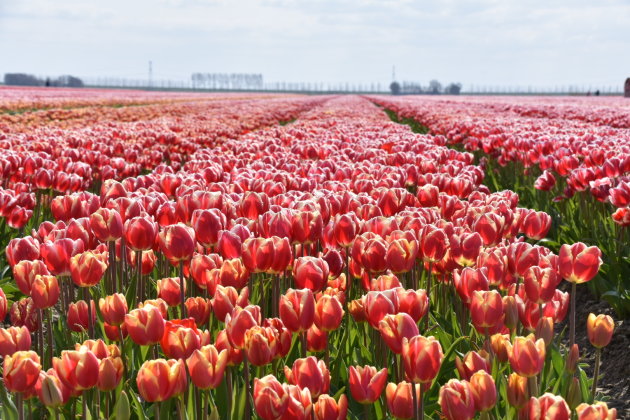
526, 355
78, 315
309, 373
433, 244
77, 369
484, 390
486, 310
468, 280
465, 248
328, 313
300, 404
233, 273
316, 339
473, 362
207, 224
140, 233
180, 338
400, 400
169, 290
199, 309
145, 325
366, 383
270, 398
24, 313
159, 379
239, 321
20, 249
549, 407
206, 366
379, 304
396, 327
540, 284
226, 299
326, 408
110, 372
3, 304
596, 411
177, 242
297, 309
234, 355
24, 274
456, 400
20, 371
536, 225
106, 224
113, 308
401, 255
88, 268
14, 339
422, 358
310, 273
260, 345
45, 291
57, 254
50, 390
579, 263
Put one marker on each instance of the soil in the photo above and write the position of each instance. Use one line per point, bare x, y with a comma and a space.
614, 374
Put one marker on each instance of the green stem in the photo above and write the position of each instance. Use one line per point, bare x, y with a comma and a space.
572, 316
598, 355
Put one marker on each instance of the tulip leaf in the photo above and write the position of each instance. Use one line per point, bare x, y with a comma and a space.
136, 404
8, 408
121, 409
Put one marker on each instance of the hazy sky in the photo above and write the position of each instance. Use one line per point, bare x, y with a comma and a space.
491, 42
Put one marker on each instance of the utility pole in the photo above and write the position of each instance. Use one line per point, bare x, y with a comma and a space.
150, 73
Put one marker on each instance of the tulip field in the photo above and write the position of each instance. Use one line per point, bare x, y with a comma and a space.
263, 256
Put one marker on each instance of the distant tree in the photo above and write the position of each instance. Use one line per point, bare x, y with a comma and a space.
435, 87
69, 81
395, 88
21, 79
453, 89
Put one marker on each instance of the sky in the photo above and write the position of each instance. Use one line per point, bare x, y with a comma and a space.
540, 43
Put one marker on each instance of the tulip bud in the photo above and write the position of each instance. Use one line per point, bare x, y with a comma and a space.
78, 315
486, 309
297, 309
399, 399
572, 358
574, 394
357, 310
45, 291
395, 328
484, 390
544, 330
77, 369
527, 356
599, 329
50, 390
110, 372
270, 398
328, 313
511, 312
499, 342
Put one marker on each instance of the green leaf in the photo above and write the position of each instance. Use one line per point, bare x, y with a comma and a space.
8, 408
121, 409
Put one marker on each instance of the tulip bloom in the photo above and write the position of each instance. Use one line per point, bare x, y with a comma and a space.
310, 273
113, 308
159, 379
3, 304
140, 233
145, 325
379, 304
206, 366
326, 408
413, 302
536, 225
199, 308
316, 339
24, 274
20, 249
484, 390
234, 356
599, 329
328, 313
297, 309
400, 400
110, 372
540, 284
456, 400
549, 407
77, 369
238, 322
106, 224
177, 242
422, 358
527, 356
50, 390
597, 411
88, 268
181, 337
578, 263
309, 373
486, 310
300, 404
465, 248
366, 383
226, 299
433, 244
169, 290
517, 390
207, 223
57, 254
473, 362
45, 291
395, 328
77, 318
270, 398
468, 280
20, 371
14, 339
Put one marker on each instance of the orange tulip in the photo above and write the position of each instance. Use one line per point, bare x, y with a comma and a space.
77, 369
206, 366
88, 268
14, 339
145, 325
159, 379
99, 348
549, 407
499, 342
326, 408
297, 309
472, 363
422, 358
309, 373
233, 273
113, 308
517, 390
599, 329
456, 400
484, 390
316, 339
20, 371
366, 383
527, 356
597, 411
